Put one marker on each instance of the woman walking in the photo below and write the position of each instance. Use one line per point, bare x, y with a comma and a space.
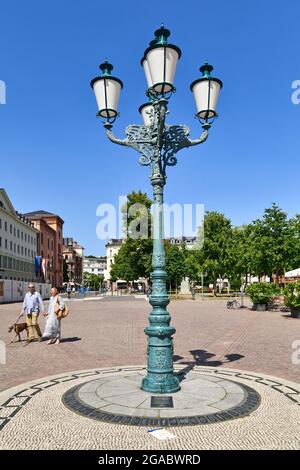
53, 322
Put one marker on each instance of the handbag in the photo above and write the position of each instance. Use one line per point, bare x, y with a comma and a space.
61, 313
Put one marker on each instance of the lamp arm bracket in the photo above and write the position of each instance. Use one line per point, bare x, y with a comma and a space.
203, 137
112, 137
176, 138
137, 137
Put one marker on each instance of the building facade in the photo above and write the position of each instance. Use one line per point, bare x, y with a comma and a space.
94, 265
112, 248
73, 254
18, 243
189, 242
50, 242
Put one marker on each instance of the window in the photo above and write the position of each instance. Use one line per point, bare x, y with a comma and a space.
10, 228
14, 247
11, 245
21, 235
19, 249
5, 226
22, 250
48, 243
25, 251
18, 233
5, 243
14, 231
25, 237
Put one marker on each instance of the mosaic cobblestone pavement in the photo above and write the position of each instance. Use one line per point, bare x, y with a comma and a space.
33, 416
202, 399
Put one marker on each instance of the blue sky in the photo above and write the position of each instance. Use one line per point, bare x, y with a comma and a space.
54, 154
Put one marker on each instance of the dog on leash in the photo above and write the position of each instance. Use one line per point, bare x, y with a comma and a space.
18, 328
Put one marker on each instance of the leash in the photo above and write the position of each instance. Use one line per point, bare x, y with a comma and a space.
18, 318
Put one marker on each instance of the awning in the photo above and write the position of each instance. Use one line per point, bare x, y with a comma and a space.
294, 273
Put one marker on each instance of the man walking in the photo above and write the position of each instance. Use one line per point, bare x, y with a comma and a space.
69, 291
32, 306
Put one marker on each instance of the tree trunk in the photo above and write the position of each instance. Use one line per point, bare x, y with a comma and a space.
215, 288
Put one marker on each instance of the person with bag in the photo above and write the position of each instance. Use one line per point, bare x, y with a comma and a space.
56, 311
32, 307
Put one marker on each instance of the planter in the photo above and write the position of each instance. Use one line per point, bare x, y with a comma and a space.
259, 307
295, 312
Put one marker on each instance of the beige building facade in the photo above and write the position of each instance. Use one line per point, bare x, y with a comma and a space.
18, 243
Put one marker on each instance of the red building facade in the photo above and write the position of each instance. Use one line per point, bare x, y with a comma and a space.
50, 242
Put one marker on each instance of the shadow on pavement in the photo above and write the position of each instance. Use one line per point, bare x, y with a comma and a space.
70, 340
201, 357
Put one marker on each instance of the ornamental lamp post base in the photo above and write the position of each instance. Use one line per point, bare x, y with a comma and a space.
166, 383
160, 376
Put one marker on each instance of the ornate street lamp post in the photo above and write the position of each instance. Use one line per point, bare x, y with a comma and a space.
157, 144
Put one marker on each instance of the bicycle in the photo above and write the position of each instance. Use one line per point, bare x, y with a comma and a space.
233, 304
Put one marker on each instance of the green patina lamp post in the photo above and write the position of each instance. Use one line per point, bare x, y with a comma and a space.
157, 144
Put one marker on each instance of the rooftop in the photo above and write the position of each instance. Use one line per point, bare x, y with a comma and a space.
40, 213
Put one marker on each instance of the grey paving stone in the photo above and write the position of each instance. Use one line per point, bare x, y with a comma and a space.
230, 387
151, 412
184, 401
132, 400
231, 400
92, 399
200, 410
118, 409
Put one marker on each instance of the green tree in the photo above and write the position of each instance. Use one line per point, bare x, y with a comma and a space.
193, 266
136, 215
134, 257
294, 261
272, 243
240, 256
93, 281
132, 261
215, 256
175, 263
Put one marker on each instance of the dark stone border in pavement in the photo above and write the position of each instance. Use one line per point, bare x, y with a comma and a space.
10, 409
249, 404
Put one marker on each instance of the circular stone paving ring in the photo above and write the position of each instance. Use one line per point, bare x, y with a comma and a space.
202, 399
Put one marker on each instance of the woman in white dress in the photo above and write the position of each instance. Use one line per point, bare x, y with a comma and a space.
53, 324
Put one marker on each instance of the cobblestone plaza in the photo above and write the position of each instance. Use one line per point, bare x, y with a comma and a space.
104, 343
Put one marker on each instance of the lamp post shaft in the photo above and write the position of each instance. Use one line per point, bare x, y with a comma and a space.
160, 376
